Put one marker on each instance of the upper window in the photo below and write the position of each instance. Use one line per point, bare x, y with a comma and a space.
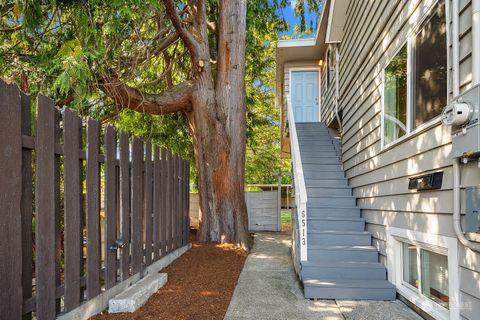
415, 81
330, 68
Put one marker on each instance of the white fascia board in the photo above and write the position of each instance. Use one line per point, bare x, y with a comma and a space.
296, 43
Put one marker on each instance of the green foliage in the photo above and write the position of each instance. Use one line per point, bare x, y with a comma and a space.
62, 47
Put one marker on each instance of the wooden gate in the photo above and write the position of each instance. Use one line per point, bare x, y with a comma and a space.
263, 210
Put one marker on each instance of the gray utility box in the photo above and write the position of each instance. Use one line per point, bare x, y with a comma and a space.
472, 218
466, 139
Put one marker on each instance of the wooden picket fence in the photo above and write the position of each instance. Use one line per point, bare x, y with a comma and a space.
68, 193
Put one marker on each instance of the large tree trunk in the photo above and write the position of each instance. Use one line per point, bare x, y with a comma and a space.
220, 163
214, 101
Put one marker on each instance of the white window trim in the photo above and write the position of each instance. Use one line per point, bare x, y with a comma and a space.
409, 38
312, 68
444, 245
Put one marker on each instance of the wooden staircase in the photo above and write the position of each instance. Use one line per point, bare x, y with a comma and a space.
342, 263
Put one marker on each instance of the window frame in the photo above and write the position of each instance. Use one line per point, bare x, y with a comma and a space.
443, 245
410, 38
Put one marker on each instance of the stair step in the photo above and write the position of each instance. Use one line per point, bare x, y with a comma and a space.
347, 238
314, 211
327, 191
334, 174
342, 253
320, 154
344, 270
342, 182
310, 125
323, 167
319, 160
349, 289
314, 139
332, 200
306, 146
335, 223
314, 134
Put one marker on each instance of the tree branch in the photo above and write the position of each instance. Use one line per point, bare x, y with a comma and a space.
178, 98
159, 46
184, 34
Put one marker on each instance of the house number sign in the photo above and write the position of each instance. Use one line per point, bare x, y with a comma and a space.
303, 235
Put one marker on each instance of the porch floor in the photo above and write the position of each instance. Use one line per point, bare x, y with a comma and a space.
268, 288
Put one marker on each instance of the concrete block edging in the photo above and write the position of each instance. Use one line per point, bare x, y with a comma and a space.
100, 302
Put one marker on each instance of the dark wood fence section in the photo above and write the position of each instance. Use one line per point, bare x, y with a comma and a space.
82, 207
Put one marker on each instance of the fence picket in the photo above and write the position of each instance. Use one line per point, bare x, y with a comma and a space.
148, 203
26, 203
137, 205
10, 197
187, 201
110, 206
58, 234
73, 207
163, 203
156, 203
125, 204
179, 202
45, 209
184, 205
171, 200
93, 209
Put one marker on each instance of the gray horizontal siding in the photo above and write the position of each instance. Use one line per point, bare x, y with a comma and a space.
373, 33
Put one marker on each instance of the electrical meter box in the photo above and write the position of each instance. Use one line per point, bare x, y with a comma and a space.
472, 209
466, 138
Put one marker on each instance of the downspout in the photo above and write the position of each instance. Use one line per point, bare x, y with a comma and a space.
476, 75
337, 90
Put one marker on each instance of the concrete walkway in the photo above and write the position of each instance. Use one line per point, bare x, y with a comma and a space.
268, 289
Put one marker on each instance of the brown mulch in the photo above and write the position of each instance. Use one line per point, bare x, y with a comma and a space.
200, 285
286, 227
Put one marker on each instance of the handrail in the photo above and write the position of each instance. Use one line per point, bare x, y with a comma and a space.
299, 182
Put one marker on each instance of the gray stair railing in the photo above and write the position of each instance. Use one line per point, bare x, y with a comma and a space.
299, 186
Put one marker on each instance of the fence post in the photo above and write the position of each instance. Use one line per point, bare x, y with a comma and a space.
11, 296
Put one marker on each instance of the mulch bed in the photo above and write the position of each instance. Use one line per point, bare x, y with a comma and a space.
200, 285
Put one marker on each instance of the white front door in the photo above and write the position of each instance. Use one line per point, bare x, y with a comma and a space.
305, 96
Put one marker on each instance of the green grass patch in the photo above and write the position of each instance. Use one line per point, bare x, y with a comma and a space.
286, 217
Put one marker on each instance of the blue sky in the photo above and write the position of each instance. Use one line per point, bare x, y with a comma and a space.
287, 13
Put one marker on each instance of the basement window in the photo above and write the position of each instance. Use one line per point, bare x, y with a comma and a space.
424, 269
415, 80
426, 272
